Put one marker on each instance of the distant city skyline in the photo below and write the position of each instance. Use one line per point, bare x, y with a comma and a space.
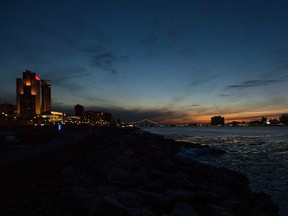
43, 91
169, 61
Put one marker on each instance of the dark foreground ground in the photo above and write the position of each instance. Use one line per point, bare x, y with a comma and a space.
125, 172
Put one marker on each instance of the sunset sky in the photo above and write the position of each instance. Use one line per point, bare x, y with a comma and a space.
165, 60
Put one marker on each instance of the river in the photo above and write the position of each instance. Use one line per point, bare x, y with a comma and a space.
261, 153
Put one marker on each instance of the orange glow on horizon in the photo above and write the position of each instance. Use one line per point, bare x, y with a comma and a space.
229, 117
37, 78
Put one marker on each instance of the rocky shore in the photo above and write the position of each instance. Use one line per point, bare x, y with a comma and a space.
126, 172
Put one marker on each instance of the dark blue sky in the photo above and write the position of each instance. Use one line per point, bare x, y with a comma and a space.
181, 60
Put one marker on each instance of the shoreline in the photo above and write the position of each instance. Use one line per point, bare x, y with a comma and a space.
126, 172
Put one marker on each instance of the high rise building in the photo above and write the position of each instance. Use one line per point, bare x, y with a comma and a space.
46, 96
33, 95
79, 110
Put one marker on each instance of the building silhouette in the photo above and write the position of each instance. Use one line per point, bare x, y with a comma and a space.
46, 96
7, 108
98, 117
33, 95
217, 120
79, 110
92, 117
284, 119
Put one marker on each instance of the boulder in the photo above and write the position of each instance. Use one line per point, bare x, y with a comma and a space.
235, 206
104, 205
183, 209
144, 211
178, 180
119, 174
216, 210
263, 205
130, 199
180, 195
156, 200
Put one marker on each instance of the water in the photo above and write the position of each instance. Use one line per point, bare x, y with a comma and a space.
261, 153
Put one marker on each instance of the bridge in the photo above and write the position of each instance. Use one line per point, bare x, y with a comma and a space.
145, 123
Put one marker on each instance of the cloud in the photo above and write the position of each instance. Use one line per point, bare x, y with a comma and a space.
67, 73
224, 95
281, 68
255, 83
154, 115
277, 63
98, 53
149, 39
104, 61
191, 87
101, 37
63, 77
132, 115
94, 49
102, 58
157, 115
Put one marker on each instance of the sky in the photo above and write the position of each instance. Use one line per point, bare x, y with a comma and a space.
170, 61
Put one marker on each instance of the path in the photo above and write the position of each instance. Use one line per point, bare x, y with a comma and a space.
22, 152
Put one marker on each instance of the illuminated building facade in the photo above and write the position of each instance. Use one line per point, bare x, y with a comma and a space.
98, 117
92, 117
52, 118
33, 95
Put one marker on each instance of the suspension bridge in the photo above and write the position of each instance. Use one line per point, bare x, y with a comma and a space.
145, 123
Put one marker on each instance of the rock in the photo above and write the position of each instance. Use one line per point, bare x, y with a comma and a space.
216, 210
127, 172
237, 183
156, 174
135, 166
107, 190
207, 196
179, 195
129, 139
263, 205
145, 211
183, 209
104, 205
140, 178
67, 171
178, 180
128, 153
154, 186
235, 206
157, 200
118, 174
170, 166
129, 199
